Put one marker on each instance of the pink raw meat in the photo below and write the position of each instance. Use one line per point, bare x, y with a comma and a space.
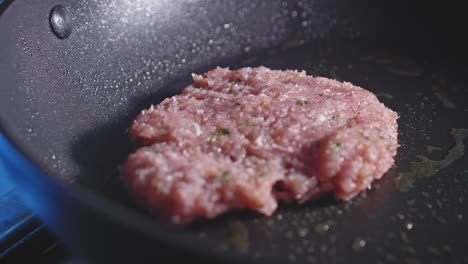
247, 138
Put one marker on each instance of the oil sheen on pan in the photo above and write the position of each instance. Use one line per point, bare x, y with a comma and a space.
248, 138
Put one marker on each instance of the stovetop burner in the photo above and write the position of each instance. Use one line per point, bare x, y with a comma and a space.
23, 238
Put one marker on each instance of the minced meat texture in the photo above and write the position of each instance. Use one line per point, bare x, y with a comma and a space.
248, 138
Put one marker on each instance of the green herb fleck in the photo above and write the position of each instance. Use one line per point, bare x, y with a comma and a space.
262, 174
424, 167
365, 136
218, 132
338, 146
160, 190
224, 175
222, 132
303, 102
245, 123
164, 131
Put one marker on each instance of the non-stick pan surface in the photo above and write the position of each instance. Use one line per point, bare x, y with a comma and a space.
66, 104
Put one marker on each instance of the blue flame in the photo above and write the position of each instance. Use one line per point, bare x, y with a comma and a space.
5, 184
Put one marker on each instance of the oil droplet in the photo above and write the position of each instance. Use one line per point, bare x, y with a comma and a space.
408, 249
323, 248
412, 261
409, 226
434, 251
390, 258
292, 257
323, 227
358, 244
302, 232
446, 248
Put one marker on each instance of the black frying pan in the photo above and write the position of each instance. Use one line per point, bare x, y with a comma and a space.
70, 89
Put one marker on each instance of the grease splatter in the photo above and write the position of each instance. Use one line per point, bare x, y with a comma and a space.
446, 102
293, 42
424, 167
404, 67
395, 64
238, 237
384, 96
431, 149
404, 237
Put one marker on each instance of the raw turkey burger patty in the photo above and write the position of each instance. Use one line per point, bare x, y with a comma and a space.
252, 137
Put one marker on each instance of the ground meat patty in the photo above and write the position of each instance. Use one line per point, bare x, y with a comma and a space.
248, 138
